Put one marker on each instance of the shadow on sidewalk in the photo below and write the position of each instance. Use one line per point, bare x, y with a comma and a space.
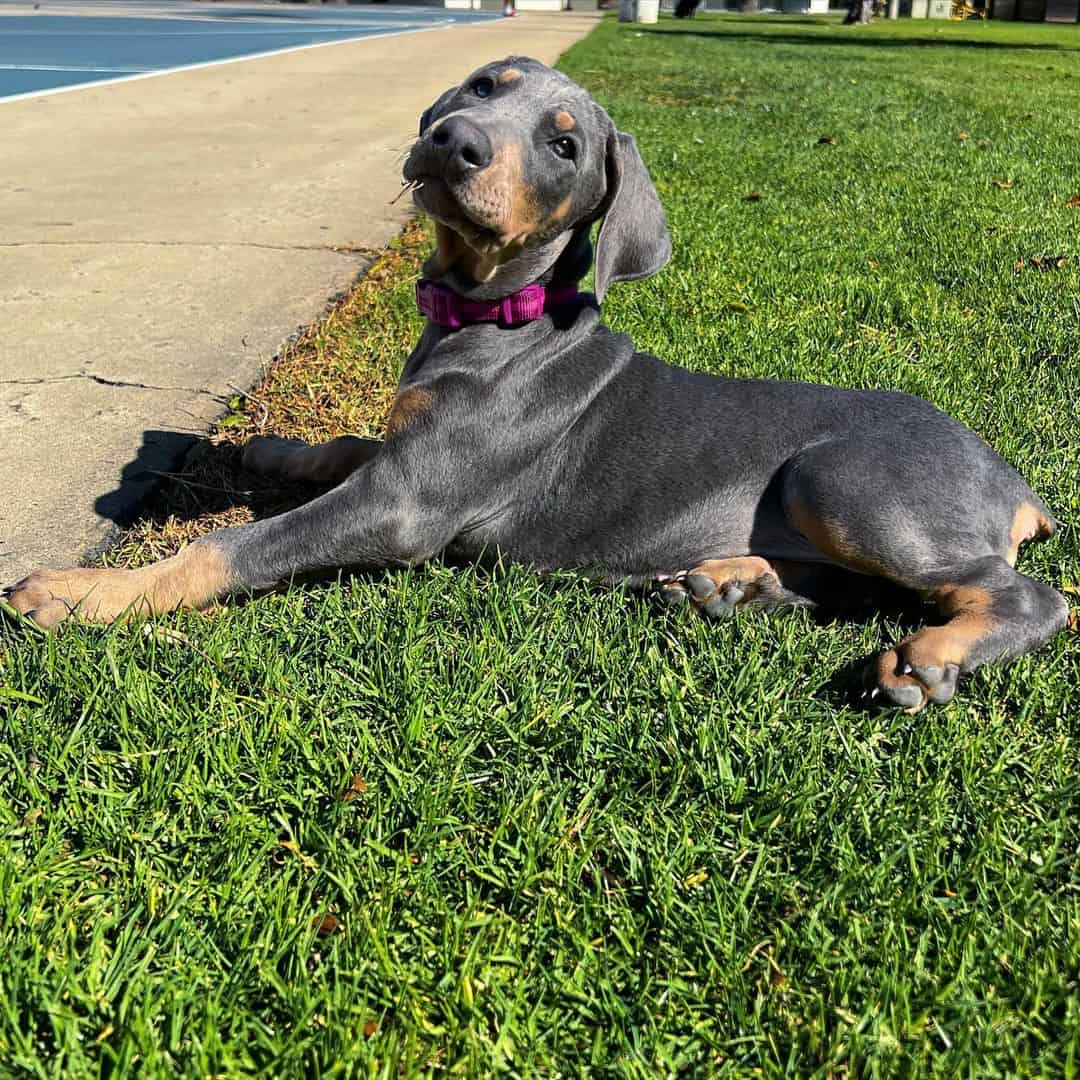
161, 453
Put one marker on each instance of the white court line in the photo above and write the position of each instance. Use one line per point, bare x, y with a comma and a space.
277, 29
442, 24
58, 67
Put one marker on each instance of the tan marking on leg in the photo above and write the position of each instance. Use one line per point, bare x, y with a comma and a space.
508, 75
1029, 523
564, 121
970, 620
409, 405
194, 578
830, 538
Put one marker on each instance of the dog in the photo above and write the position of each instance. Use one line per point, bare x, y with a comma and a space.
523, 426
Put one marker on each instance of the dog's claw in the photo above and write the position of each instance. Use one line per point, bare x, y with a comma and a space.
671, 594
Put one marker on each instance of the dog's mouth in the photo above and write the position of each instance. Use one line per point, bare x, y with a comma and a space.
435, 196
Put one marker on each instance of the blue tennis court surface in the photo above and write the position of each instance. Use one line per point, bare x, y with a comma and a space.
46, 50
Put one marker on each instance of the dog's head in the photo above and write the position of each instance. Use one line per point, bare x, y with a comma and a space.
517, 157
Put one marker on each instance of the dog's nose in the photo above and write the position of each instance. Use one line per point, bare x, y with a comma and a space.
464, 146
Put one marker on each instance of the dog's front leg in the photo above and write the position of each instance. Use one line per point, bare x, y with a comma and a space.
371, 520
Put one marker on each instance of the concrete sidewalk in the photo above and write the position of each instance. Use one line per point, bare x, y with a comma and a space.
160, 239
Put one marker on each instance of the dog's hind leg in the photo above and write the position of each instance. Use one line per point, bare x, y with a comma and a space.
992, 613
293, 461
947, 534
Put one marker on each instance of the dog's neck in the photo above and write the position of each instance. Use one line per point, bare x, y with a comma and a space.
562, 261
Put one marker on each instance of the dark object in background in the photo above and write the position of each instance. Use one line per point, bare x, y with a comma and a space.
687, 9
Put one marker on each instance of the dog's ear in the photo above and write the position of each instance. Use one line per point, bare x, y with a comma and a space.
634, 241
429, 114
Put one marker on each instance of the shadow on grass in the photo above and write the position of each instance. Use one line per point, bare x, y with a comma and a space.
859, 40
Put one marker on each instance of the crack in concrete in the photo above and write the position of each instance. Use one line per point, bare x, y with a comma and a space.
105, 381
336, 249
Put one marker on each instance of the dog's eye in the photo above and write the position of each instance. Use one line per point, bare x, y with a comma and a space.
483, 87
565, 148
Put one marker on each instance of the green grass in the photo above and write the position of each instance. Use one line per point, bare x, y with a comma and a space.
593, 838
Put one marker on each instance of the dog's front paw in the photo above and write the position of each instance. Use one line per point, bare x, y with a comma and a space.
717, 587
294, 462
50, 597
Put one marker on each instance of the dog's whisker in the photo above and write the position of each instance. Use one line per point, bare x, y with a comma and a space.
407, 186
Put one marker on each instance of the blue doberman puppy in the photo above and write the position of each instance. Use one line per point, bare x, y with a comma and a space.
522, 425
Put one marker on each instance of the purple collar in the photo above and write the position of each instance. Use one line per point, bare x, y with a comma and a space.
452, 310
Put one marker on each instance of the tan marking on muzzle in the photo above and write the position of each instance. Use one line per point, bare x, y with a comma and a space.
523, 220
449, 247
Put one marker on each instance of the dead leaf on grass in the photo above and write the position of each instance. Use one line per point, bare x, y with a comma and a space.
1002, 185
1073, 202
291, 845
1042, 263
325, 924
356, 787
827, 140
370, 1028
964, 136
1074, 621
754, 196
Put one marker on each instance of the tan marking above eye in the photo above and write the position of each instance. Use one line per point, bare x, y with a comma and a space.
509, 75
564, 121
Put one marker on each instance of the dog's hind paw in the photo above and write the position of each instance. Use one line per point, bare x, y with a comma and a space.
890, 680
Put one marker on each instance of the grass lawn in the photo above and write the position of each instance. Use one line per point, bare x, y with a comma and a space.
446, 819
